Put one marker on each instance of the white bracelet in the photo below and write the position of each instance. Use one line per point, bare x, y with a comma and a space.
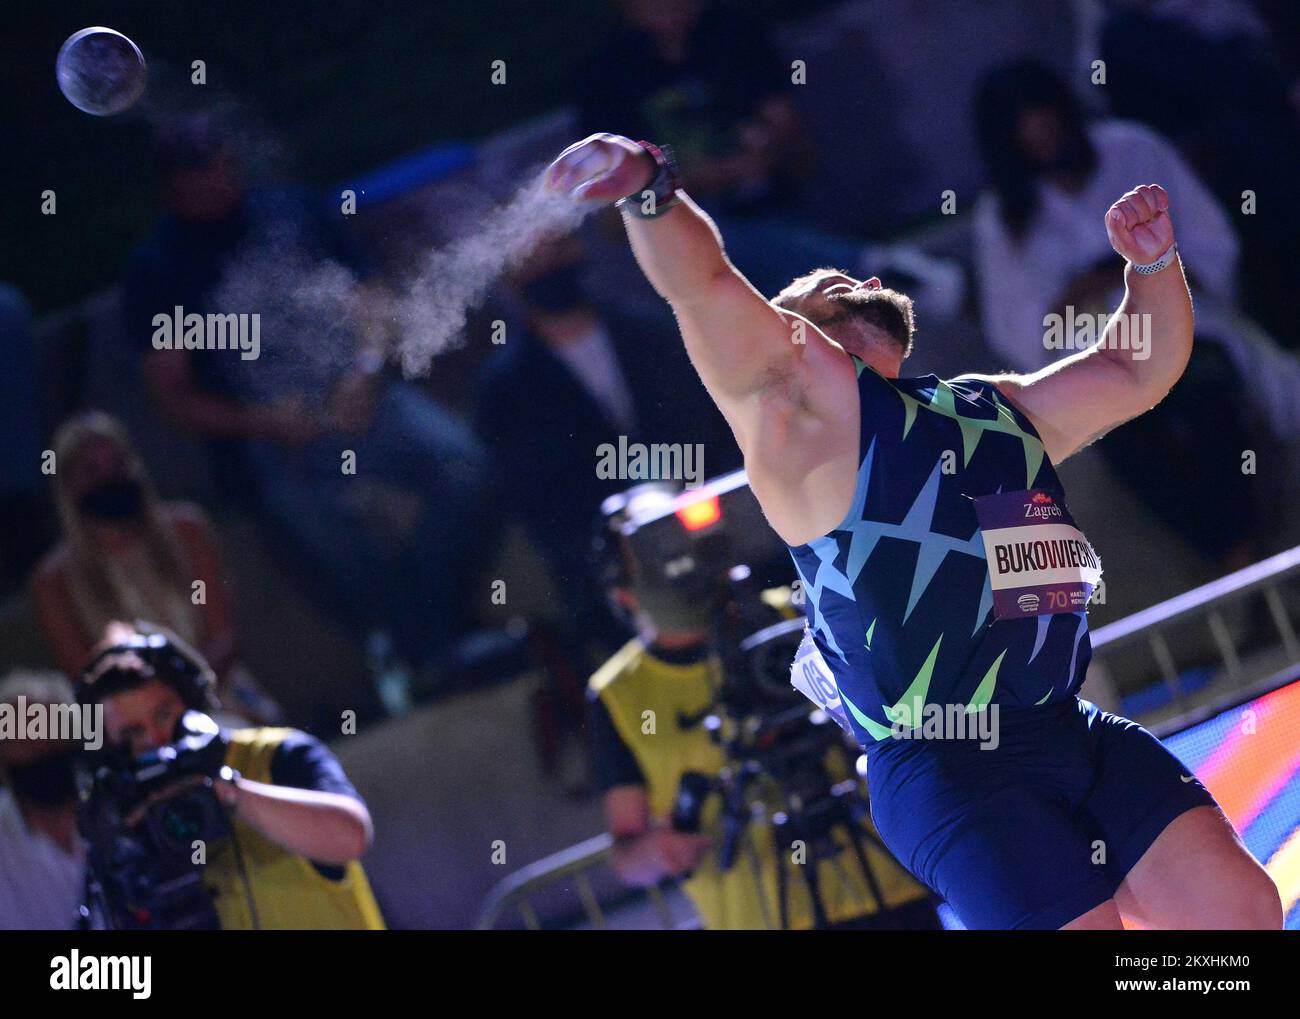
1151, 268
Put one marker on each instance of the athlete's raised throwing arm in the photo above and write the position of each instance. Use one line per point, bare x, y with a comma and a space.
736, 339
754, 359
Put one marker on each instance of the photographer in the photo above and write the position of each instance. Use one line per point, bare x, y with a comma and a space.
647, 704
294, 828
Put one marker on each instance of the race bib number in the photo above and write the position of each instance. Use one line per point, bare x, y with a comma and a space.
812, 677
1039, 562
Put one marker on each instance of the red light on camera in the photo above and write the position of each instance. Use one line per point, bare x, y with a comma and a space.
697, 515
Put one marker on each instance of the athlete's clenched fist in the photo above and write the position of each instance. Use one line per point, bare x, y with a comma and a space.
1139, 226
601, 168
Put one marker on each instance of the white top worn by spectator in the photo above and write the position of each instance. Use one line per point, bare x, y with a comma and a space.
1020, 279
41, 886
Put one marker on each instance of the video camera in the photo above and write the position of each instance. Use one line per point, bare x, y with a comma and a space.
143, 876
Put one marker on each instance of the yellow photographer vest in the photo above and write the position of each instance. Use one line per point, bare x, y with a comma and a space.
646, 697
287, 891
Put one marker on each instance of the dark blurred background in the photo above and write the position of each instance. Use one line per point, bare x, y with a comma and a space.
906, 144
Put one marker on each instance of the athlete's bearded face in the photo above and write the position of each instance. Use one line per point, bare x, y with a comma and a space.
838, 303
832, 302
867, 320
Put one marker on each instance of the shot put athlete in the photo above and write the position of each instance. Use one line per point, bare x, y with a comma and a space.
943, 571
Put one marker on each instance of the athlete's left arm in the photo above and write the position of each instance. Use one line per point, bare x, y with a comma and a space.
1144, 348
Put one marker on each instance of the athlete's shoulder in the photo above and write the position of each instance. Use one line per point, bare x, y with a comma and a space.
996, 392
974, 386
982, 388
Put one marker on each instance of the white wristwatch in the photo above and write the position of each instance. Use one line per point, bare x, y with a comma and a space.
1151, 268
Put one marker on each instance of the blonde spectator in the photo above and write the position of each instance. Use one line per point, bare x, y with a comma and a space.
125, 554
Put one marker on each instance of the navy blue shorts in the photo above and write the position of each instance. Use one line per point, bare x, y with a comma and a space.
1038, 831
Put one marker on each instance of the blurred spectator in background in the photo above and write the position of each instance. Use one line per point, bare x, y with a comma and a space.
570, 381
1283, 20
1219, 87
1040, 241
127, 555
392, 541
1041, 249
701, 77
42, 858
23, 534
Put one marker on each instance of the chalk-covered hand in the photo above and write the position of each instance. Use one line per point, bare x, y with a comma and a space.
601, 168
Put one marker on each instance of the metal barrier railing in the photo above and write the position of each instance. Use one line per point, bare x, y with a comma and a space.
1151, 625
576, 863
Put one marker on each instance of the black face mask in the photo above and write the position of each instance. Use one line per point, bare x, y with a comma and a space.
121, 499
49, 782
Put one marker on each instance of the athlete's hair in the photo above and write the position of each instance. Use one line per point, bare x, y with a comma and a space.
889, 311
1004, 94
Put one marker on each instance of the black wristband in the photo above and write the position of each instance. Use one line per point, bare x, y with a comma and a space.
660, 194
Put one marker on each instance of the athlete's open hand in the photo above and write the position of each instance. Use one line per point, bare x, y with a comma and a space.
1139, 226
600, 168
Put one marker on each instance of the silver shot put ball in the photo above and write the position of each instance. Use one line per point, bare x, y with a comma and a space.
100, 71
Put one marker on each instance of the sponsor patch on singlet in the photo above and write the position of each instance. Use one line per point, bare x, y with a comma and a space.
1040, 563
